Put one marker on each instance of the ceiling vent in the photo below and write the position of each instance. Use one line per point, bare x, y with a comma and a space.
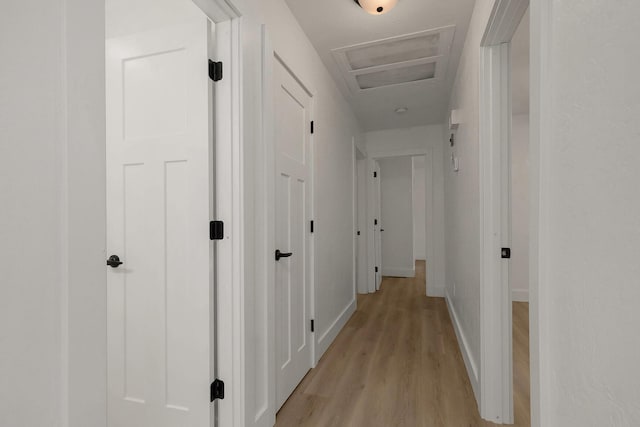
411, 58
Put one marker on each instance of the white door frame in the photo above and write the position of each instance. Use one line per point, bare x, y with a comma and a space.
429, 208
496, 367
359, 211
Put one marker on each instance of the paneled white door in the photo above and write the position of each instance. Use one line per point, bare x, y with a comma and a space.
160, 304
293, 211
377, 227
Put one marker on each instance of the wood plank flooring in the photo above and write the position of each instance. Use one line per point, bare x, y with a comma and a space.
397, 363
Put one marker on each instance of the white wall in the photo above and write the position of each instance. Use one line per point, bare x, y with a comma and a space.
52, 335
419, 211
462, 201
396, 220
412, 141
519, 274
586, 262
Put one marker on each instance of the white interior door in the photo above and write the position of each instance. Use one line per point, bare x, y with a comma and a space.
159, 192
377, 227
293, 213
363, 288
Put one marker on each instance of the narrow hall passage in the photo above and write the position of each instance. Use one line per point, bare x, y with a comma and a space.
396, 363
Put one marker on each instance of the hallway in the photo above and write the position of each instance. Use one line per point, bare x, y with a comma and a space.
396, 363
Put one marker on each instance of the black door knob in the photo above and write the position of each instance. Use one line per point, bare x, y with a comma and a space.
282, 254
114, 261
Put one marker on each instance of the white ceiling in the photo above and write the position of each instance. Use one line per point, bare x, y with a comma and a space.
334, 24
520, 67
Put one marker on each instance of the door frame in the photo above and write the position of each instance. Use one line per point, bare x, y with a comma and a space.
358, 156
496, 368
429, 212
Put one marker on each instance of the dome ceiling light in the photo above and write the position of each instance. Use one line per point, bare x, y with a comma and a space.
377, 7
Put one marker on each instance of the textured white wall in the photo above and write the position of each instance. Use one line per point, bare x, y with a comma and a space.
419, 212
462, 201
396, 219
589, 237
52, 311
519, 275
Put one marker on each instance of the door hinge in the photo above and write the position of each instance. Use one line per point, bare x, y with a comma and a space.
376, 269
358, 233
217, 390
375, 174
375, 222
312, 127
215, 70
216, 230
311, 226
506, 253
313, 326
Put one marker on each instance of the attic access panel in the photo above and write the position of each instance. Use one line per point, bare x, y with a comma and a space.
395, 76
409, 58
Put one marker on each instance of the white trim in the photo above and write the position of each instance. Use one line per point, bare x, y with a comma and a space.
262, 413
496, 358
467, 356
399, 272
519, 295
332, 332
229, 195
539, 158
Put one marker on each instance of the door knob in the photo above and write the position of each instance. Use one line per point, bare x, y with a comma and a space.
114, 261
282, 254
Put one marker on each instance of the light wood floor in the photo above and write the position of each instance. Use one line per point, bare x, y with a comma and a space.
397, 363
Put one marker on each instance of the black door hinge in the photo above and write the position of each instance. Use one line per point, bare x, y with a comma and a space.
217, 390
358, 233
216, 230
376, 269
506, 253
375, 222
312, 127
311, 226
313, 326
375, 174
215, 71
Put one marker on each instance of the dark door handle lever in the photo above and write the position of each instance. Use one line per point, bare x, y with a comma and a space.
114, 261
282, 254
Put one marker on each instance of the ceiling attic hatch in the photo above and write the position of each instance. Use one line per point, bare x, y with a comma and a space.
408, 59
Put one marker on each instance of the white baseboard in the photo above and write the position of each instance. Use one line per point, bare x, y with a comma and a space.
435, 291
332, 332
399, 272
469, 361
520, 295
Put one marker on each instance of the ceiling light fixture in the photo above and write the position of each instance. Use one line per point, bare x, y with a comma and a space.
402, 110
377, 7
